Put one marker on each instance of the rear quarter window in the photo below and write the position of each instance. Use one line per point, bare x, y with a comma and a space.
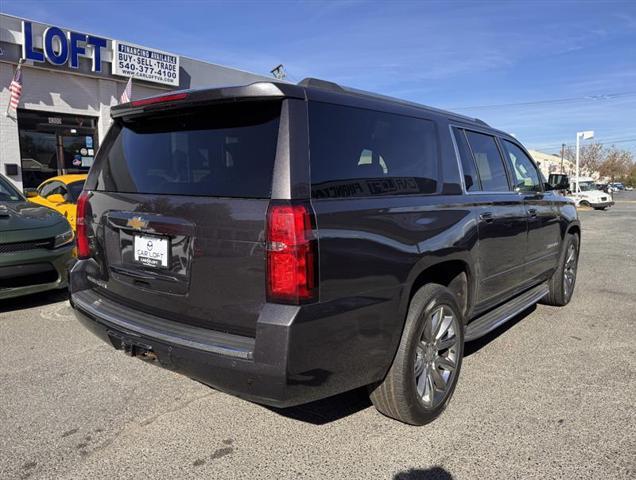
74, 191
356, 153
223, 150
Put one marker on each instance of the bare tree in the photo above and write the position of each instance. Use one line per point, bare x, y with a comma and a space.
630, 179
591, 156
617, 164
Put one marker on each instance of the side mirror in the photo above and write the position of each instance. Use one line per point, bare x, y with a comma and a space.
30, 192
56, 198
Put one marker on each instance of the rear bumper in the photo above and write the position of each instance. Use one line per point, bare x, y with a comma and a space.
59, 259
298, 355
219, 364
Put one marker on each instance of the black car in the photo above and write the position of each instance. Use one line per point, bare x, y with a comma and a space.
286, 243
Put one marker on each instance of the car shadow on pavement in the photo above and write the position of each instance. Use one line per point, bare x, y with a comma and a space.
434, 473
33, 300
339, 406
329, 409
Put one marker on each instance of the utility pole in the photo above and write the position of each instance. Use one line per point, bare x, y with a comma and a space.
562, 154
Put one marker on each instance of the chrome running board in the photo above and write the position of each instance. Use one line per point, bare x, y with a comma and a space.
491, 320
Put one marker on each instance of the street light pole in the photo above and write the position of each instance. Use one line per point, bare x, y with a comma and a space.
562, 154
586, 135
578, 135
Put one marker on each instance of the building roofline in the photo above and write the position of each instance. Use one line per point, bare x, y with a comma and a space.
134, 43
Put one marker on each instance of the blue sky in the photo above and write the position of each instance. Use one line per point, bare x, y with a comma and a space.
539, 69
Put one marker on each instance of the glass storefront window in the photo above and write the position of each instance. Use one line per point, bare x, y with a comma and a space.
77, 156
38, 151
55, 144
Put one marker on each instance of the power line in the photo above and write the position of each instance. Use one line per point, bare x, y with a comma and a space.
606, 96
607, 142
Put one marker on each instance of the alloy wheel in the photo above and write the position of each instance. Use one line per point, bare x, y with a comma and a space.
436, 357
569, 270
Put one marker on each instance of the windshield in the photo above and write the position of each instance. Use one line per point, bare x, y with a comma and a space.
74, 190
8, 192
587, 186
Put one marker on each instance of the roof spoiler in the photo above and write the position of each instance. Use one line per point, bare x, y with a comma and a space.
186, 98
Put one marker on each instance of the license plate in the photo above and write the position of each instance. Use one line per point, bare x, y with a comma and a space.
151, 251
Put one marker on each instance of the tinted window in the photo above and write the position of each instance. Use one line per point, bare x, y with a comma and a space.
8, 193
51, 188
524, 173
471, 179
74, 190
489, 163
356, 152
226, 151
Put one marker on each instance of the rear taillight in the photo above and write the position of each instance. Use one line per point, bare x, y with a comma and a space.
291, 254
83, 247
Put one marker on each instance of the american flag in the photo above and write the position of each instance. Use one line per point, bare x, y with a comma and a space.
15, 89
127, 93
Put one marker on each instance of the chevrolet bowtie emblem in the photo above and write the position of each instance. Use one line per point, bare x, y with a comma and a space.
137, 223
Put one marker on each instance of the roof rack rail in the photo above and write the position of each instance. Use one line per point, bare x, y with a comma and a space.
334, 87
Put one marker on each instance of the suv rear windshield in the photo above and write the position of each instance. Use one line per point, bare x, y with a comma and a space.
223, 150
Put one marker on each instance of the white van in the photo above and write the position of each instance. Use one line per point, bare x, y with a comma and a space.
588, 195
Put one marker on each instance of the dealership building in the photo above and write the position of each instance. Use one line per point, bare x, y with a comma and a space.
70, 79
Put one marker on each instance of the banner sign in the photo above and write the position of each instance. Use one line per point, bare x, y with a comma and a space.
145, 64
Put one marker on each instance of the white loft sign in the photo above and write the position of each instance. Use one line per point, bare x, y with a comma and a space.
145, 64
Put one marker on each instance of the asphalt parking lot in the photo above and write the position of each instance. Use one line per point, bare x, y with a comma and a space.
549, 395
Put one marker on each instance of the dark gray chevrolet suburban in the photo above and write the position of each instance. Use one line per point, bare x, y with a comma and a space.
285, 243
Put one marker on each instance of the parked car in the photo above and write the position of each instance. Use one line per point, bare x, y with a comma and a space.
285, 243
617, 186
629, 188
588, 195
36, 245
60, 193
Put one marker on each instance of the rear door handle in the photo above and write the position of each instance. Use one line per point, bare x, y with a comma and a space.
532, 212
486, 217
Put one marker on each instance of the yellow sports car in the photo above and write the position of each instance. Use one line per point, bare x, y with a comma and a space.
59, 193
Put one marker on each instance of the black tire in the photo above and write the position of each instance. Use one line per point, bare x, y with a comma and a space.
584, 203
397, 395
560, 294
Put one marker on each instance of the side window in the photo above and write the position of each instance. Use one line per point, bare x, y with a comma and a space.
62, 190
492, 172
525, 176
48, 189
471, 180
357, 153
